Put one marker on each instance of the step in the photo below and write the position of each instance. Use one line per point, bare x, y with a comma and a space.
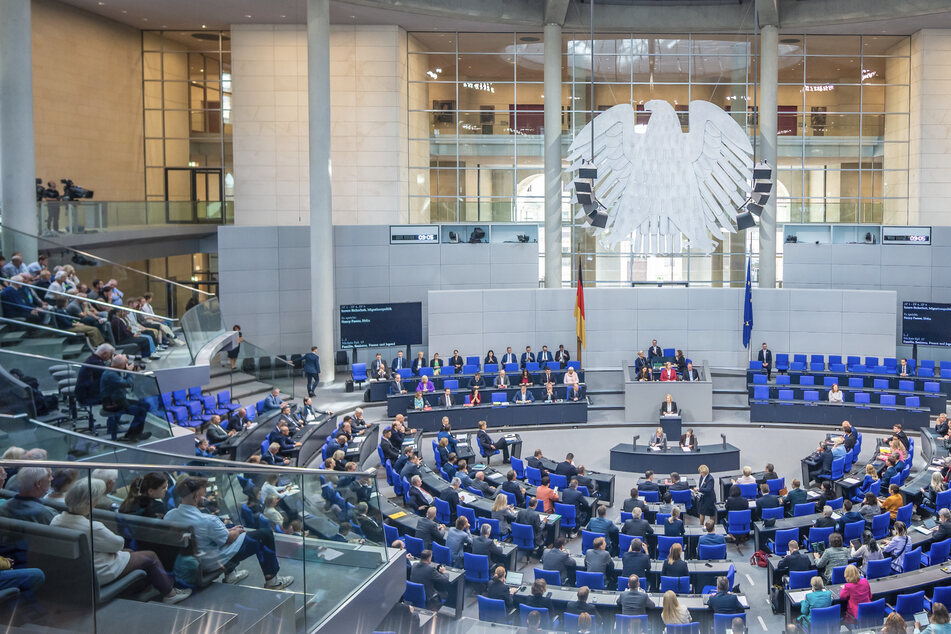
124, 615
606, 379
610, 399
744, 406
730, 398
730, 416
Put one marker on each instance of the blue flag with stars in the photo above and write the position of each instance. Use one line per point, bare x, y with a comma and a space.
748, 309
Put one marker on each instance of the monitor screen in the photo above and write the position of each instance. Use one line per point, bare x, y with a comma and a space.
381, 325
926, 323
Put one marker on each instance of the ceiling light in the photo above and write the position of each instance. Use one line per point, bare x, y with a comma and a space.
124, 11
529, 38
247, 15
145, 19
101, 4
204, 26
282, 16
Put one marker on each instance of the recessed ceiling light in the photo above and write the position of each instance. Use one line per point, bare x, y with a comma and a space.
101, 4
145, 19
282, 16
204, 26
124, 11
247, 15
529, 38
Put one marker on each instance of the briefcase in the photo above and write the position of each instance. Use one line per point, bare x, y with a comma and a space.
349, 387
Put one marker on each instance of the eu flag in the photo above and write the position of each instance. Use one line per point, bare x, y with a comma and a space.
747, 310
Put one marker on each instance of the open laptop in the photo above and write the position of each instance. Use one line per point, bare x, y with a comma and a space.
514, 578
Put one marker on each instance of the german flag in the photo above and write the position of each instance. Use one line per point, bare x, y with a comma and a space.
579, 307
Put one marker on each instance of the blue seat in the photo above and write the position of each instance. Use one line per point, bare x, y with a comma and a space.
624, 542
442, 555
926, 372
819, 535
551, 577
510, 368
927, 363
879, 384
870, 614
856, 382
492, 610
828, 381
452, 384
942, 501
559, 481
862, 398
247, 516
476, 567
931, 387
510, 497
871, 362
779, 545
739, 522
783, 379
748, 490
853, 361
835, 358
531, 366
390, 534
574, 364
878, 568
760, 379
686, 628
224, 401
887, 399
499, 397
806, 508
358, 372
911, 561
776, 485
587, 540
470, 369
756, 366
837, 367
534, 476
785, 395
680, 585
836, 503
817, 358
584, 491
495, 524
890, 362
707, 551
799, 358
946, 373
853, 530
414, 546
811, 396
772, 514
761, 392
939, 553
624, 622
405, 373
491, 368
908, 604
525, 610
568, 514
797, 366
904, 514
473, 361
684, 497
427, 371
523, 536
782, 362
940, 594
825, 620
800, 578
594, 580
443, 514
518, 467
650, 496
912, 401
661, 518
415, 595
664, 543
468, 513
817, 366
723, 623
906, 386
838, 575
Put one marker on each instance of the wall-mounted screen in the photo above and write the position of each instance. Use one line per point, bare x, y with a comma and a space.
381, 325
926, 323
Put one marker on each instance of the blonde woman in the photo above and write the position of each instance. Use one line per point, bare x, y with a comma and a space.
674, 613
502, 511
747, 477
707, 503
932, 490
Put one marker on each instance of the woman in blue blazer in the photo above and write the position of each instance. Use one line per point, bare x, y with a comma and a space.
674, 526
707, 504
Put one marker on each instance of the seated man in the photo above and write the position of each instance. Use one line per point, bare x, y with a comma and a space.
501, 381
272, 455
221, 548
524, 396
490, 446
32, 484
476, 381
690, 374
527, 357
710, 537
446, 400
396, 385
378, 369
273, 400
114, 388
575, 393
544, 357
287, 446
669, 407
600, 524
90, 375
434, 580
562, 356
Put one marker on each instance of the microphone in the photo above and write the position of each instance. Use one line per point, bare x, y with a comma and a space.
635, 442
723, 436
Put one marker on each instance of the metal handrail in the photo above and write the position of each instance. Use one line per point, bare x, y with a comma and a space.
86, 299
26, 324
60, 245
52, 361
216, 468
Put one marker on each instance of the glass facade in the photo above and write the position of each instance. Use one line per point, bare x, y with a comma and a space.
187, 99
476, 124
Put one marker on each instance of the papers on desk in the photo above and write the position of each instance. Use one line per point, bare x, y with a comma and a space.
466, 497
396, 516
922, 530
850, 481
836, 516
811, 495
654, 448
329, 554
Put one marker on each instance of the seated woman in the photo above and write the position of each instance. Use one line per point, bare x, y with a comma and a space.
674, 526
747, 477
446, 432
674, 565
818, 598
736, 501
418, 401
525, 378
932, 490
870, 506
869, 483
688, 441
146, 496
490, 358
425, 385
659, 439
645, 375
835, 394
503, 511
110, 559
897, 546
474, 397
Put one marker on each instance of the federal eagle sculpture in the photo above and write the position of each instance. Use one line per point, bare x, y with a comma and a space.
658, 183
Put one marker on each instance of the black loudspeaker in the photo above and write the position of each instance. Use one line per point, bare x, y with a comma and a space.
349, 387
744, 220
342, 358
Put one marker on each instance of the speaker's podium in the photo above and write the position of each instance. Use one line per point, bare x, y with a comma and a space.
672, 426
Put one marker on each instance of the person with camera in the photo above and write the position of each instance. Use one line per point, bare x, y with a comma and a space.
115, 386
51, 197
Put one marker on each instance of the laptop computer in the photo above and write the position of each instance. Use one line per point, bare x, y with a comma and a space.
514, 578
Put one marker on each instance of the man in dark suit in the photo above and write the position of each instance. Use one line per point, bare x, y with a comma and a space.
530, 517
396, 385
904, 369
544, 357
724, 602
451, 495
524, 396
405, 453
527, 357
428, 530
398, 362
765, 357
433, 579
690, 374
446, 399
795, 495
581, 605
378, 367
489, 445
648, 484
850, 437
676, 484
271, 455
509, 356
575, 393
562, 356
634, 601
795, 560
944, 526
600, 524
766, 500
900, 435
849, 516
478, 482
411, 468
557, 558
710, 538
290, 448
510, 486
640, 361
477, 381
419, 498
311, 369
635, 561
534, 461
566, 467
456, 362
485, 545
586, 482
637, 526
574, 497
390, 452
634, 502
654, 351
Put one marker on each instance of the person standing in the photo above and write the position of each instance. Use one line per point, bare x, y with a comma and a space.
765, 357
233, 353
312, 371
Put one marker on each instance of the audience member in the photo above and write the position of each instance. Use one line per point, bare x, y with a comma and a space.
634, 601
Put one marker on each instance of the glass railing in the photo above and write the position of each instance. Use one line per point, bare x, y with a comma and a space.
266, 368
299, 544
169, 297
57, 391
95, 216
201, 323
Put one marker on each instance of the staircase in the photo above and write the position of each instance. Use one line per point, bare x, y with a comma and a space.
605, 389
730, 396
244, 387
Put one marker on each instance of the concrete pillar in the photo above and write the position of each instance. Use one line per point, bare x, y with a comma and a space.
322, 302
17, 163
552, 156
768, 80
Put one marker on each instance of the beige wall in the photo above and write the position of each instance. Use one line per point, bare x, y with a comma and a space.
929, 145
368, 124
87, 96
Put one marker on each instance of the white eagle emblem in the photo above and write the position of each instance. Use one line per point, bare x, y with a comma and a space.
657, 182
